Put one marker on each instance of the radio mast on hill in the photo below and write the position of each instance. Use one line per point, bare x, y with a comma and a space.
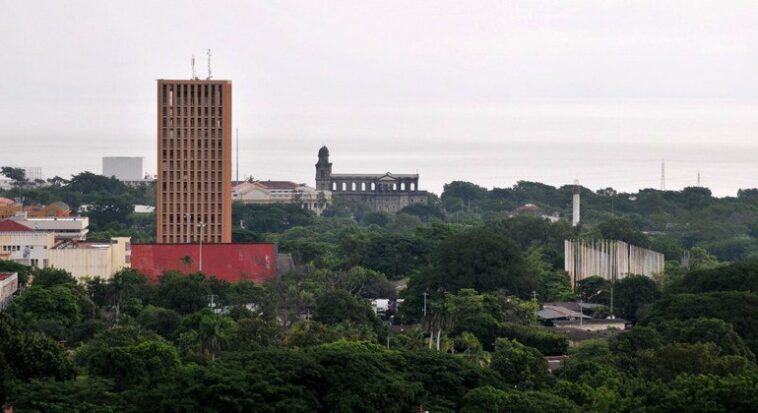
663, 174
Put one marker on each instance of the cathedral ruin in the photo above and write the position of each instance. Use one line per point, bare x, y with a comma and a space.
380, 192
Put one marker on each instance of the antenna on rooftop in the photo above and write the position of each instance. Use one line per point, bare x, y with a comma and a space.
193, 67
209, 65
238, 156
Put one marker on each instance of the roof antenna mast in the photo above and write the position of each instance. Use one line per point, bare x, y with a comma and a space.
193, 67
238, 155
209, 65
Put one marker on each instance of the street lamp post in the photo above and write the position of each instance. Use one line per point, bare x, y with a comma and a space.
201, 225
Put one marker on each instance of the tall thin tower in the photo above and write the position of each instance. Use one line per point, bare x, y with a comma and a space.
663, 174
575, 206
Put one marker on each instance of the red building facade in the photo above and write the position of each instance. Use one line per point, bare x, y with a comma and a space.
229, 262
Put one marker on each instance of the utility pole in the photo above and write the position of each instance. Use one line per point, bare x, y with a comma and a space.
201, 225
212, 300
612, 317
581, 311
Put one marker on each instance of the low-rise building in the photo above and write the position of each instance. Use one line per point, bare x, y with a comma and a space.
535, 210
92, 259
21, 244
281, 192
63, 228
10, 208
8, 287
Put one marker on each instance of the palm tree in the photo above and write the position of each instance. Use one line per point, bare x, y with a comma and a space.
441, 319
121, 287
213, 335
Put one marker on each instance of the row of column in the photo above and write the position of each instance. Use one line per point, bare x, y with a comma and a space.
409, 185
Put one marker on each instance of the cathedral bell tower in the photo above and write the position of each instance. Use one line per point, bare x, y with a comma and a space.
323, 170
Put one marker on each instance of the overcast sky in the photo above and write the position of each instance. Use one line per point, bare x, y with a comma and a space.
391, 78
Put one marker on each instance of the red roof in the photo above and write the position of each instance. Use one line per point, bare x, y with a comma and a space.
10, 225
6, 201
278, 184
5, 275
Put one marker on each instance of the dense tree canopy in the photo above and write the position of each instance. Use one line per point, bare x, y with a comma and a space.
470, 273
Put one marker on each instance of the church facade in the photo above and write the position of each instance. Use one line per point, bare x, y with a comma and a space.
380, 192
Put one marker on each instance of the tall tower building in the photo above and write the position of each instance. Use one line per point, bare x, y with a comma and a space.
323, 170
194, 186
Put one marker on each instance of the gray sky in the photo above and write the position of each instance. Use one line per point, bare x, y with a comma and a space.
455, 89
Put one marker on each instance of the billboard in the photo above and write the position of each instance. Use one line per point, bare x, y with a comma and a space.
229, 262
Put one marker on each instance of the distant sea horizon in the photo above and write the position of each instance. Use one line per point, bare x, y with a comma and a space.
624, 167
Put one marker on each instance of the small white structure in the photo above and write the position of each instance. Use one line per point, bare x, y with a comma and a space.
282, 192
380, 306
124, 168
92, 259
144, 209
64, 228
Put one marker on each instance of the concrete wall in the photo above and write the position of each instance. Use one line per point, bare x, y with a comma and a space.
611, 260
93, 260
230, 262
8, 286
387, 202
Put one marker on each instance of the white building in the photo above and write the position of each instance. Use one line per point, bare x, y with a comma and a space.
62, 227
92, 259
123, 168
282, 192
23, 245
33, 173
8, 287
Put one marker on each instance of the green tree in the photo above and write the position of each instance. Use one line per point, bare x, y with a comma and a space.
23, 271
478, 259
25, 356
215, 334
594, 289
633, 293
52, 277
683, 358
621, 229
336, 306
522, 366
17, 175
59, 305
109, 210
184, 293
161, 320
